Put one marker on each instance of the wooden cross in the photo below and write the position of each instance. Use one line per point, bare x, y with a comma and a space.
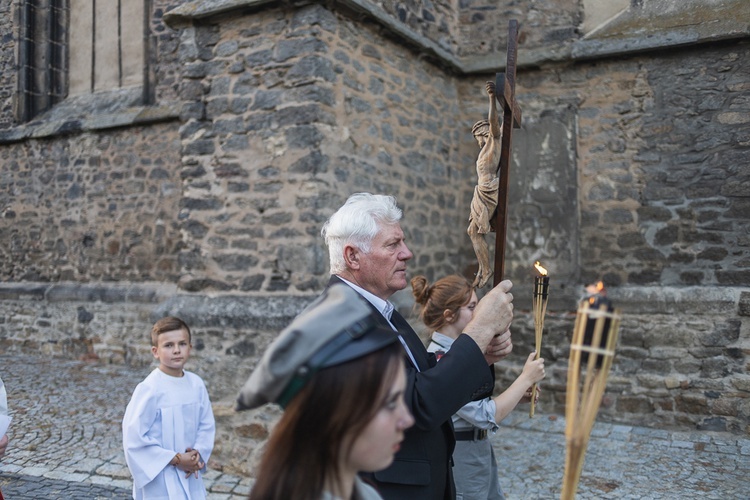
505, 85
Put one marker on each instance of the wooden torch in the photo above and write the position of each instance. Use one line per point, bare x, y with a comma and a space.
539, 306
593, 347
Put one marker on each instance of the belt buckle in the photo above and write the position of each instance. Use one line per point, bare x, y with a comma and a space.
479, 434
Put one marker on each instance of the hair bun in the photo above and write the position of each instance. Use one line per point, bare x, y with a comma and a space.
420, 289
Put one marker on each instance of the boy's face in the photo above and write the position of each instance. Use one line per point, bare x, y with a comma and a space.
172, 351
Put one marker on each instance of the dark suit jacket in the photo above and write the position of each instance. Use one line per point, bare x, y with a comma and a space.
422, 467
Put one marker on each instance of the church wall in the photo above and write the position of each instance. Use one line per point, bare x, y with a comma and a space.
7, 60
662, 190
289, 112
663, 146
482, 28
92, 207
661, 151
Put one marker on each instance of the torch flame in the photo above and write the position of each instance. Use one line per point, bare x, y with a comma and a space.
539, 268
595, 289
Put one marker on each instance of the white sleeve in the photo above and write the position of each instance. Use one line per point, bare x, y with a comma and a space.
480, 414
144, 453
204, 440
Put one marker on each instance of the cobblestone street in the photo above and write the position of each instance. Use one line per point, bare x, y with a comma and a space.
66, 443
66, 438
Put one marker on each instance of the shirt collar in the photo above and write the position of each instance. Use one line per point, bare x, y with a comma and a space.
384, 306
442, 340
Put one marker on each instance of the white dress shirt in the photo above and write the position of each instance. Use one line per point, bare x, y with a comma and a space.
386, 309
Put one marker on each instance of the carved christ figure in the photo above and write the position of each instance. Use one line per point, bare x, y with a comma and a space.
481, 221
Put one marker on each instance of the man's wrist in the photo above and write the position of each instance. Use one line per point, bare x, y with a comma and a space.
175, 460
476, 335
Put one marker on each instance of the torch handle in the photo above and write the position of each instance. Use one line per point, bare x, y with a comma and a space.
539, 304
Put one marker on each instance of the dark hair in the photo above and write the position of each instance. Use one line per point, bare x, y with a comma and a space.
451, 292
321, 422
168, 324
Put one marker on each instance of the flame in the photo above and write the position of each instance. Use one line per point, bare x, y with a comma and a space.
595, 289
539, 268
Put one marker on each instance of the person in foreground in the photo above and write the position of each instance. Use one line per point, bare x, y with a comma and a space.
4, 412
367, 252
446, 307
341, 380
168, 428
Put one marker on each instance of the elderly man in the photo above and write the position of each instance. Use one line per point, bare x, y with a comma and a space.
367, 252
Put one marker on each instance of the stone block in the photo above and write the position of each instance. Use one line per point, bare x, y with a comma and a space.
691, 403
741, 382
743, 308
633, 405
311, 68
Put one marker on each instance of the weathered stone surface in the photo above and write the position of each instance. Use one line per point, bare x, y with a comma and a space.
238, 311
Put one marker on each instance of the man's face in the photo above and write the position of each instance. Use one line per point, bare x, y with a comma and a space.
382, 272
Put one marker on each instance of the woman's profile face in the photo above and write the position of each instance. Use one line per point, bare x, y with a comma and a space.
375, 447
466, 312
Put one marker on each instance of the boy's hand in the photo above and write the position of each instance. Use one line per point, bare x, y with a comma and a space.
190, 462
195, 460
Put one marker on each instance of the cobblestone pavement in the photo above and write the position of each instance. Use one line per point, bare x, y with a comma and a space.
622, 462
66, 443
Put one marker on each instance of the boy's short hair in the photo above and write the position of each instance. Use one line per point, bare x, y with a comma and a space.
168, 324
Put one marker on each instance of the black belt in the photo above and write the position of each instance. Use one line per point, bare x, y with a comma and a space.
472, 435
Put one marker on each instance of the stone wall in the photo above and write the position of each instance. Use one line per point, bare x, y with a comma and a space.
7, 64
663, 189
664, 183
92, 207
662, 201
681, 359
287, 112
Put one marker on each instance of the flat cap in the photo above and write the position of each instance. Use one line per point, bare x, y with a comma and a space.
336, 328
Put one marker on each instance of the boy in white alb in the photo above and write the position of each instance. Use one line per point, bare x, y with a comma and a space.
168, 429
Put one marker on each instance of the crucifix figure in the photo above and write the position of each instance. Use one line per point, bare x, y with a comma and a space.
488, 135
491, 192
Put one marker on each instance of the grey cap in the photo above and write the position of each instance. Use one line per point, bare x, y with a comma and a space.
336, 328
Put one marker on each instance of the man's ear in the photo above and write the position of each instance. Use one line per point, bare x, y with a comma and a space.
351, 256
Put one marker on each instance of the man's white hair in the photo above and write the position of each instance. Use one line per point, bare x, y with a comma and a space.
357, 223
